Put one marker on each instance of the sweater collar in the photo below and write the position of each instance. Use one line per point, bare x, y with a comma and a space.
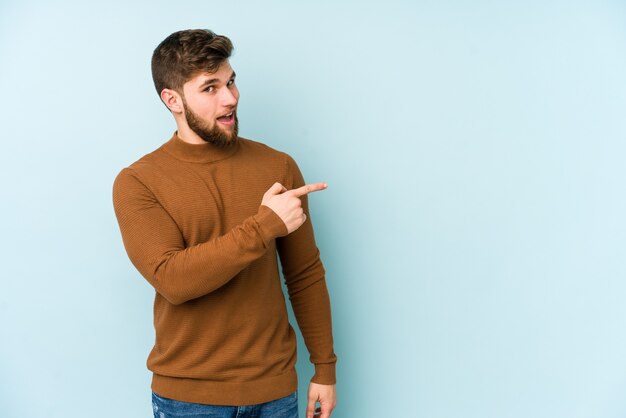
198, 153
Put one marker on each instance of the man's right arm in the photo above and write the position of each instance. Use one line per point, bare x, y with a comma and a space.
157, 249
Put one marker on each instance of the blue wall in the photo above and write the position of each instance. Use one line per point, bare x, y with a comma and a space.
473, 230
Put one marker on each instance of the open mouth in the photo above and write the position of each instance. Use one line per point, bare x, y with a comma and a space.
227, 119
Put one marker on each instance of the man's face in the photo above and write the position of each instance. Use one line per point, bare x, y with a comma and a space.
210, 101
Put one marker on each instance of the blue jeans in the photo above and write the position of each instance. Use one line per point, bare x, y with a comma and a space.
286, 407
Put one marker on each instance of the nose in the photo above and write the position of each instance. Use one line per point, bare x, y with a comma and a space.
230, 97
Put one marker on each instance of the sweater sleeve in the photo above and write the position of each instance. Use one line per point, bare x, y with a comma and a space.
157, 249
306, 285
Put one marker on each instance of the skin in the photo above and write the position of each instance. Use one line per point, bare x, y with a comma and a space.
326, 395
196, 112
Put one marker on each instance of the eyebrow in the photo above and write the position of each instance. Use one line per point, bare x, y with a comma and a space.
214, 80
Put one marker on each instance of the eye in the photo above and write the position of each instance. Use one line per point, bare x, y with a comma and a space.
209, 88
231, 82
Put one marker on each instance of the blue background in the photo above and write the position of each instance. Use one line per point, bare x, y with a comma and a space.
473, 230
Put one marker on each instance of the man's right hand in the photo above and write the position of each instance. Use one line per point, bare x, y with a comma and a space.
287, 203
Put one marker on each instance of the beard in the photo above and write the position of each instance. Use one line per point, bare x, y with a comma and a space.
214, 135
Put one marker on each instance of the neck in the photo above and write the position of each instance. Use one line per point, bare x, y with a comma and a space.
186, 134
202, 152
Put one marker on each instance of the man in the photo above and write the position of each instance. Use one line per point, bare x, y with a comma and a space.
203, 218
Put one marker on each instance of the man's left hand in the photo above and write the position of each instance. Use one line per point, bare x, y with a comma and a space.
326, 395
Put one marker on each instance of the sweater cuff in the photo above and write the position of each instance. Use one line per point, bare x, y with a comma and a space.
272, 226
324, 374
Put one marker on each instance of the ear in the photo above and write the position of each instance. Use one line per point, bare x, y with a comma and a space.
172, 100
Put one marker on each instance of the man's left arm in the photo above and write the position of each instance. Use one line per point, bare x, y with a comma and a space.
306, 286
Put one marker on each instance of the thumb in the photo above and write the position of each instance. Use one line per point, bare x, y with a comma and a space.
310, 408
276, 188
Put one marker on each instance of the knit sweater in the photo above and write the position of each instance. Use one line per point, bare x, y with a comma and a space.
192, 223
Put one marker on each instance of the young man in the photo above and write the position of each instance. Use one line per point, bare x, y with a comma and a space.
203, 218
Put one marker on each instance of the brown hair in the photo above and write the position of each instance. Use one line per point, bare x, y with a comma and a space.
186, 53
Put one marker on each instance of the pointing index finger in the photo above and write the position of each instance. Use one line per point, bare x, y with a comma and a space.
308, 188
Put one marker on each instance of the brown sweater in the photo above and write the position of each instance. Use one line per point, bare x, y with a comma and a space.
193, 225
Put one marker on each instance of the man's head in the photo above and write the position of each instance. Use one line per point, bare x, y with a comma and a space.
195, 81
